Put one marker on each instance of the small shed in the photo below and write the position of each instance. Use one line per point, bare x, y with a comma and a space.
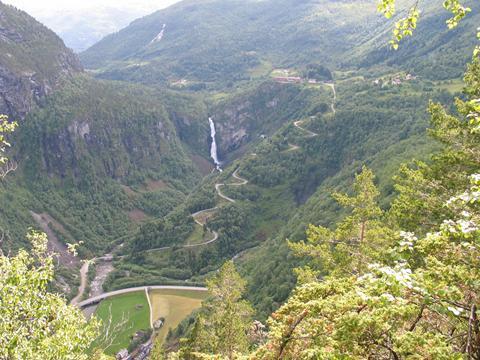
122, 354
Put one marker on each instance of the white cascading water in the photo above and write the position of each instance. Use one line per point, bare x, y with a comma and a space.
213, 148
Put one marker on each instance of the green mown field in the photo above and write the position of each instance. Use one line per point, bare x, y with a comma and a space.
128, 313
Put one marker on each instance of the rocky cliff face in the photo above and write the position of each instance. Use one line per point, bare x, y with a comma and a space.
33, 60
257, 114
91, 129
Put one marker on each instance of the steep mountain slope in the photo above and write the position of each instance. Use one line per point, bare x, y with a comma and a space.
82, 24
229, 38
95, 158
218, 43
32, 61
92, 129
92, 155
111, 162
250, 115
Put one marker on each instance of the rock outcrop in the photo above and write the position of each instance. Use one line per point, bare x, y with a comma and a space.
33, 60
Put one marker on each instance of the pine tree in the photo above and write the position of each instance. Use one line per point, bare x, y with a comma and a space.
424, 189
358, 239
422, 300
221, 329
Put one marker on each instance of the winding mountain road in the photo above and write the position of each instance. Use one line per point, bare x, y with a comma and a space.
310, 133
219, 192
201, 212
297, 124
241, 182
198, 218
293, 147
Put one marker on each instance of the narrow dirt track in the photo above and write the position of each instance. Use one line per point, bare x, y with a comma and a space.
332, 85
83, 283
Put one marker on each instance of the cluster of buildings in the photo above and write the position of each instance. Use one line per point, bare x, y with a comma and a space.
294, 80
139, 354
142, 352
285, 77
181, 82
397, 80
288, 79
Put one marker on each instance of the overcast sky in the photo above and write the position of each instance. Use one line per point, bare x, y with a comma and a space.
41, 7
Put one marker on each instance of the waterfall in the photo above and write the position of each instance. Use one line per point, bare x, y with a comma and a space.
213, 148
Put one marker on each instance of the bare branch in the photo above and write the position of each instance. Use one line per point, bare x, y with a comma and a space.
7, 168
110, 329
419, 317
471, 321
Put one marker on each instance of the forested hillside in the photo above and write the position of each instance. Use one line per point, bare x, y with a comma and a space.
290, 175
232, 40
92, 158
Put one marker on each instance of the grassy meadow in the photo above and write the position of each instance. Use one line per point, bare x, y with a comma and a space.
174, 306
128, 313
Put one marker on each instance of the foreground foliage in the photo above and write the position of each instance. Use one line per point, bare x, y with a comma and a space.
222, 324
5, 128
34, 323
420, 300
406, 25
